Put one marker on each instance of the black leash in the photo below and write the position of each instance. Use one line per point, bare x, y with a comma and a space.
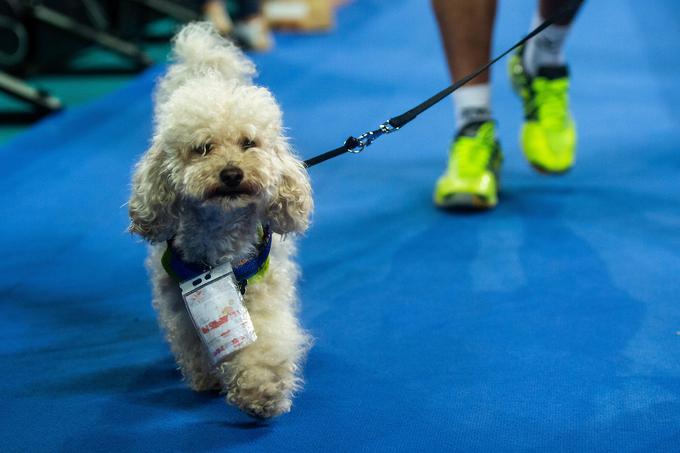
357, 144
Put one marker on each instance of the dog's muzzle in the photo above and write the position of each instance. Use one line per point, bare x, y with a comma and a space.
233, 184
231, 176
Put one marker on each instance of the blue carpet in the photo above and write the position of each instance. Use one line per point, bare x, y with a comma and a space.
549, 324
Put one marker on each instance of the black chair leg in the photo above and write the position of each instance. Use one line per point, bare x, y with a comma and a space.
42, 102
171, 9
101, 38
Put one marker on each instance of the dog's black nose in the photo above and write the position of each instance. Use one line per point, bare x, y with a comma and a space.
231, 176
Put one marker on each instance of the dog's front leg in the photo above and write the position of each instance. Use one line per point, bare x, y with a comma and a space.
185, 344
261, 378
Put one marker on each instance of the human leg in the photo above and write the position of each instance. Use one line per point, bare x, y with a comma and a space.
541, 78
471, 178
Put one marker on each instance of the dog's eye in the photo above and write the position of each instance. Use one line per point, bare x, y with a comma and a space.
247, 143
203, 148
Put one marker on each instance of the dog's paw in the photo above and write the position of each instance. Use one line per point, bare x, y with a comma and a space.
261, 393
203, 383
260, 408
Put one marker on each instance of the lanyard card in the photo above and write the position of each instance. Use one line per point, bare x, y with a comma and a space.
216, 308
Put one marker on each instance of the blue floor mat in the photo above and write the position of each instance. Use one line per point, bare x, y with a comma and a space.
549, 324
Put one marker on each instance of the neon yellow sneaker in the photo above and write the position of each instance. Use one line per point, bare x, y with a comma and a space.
548, 136
471, 179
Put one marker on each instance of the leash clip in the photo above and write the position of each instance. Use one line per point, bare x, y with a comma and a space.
358, 144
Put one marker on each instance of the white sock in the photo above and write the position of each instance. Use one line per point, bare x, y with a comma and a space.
546, 48
472, 103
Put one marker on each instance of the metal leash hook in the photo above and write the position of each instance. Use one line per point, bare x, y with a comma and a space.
355, 145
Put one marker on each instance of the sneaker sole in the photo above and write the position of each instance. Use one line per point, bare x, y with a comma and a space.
545, 171
466, 201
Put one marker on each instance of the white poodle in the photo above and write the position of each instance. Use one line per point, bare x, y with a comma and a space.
218, 173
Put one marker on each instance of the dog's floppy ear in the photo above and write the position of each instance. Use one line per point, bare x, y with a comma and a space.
292, 204
153, 203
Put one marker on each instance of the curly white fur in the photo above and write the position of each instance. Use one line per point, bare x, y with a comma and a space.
208, 117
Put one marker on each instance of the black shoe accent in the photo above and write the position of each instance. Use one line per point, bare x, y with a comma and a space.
470, 129
553, 72
475, 115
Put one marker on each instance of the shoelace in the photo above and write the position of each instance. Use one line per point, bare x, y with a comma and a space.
472, 154
551, 101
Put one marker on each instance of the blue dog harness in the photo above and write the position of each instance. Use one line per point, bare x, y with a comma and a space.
248, 270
